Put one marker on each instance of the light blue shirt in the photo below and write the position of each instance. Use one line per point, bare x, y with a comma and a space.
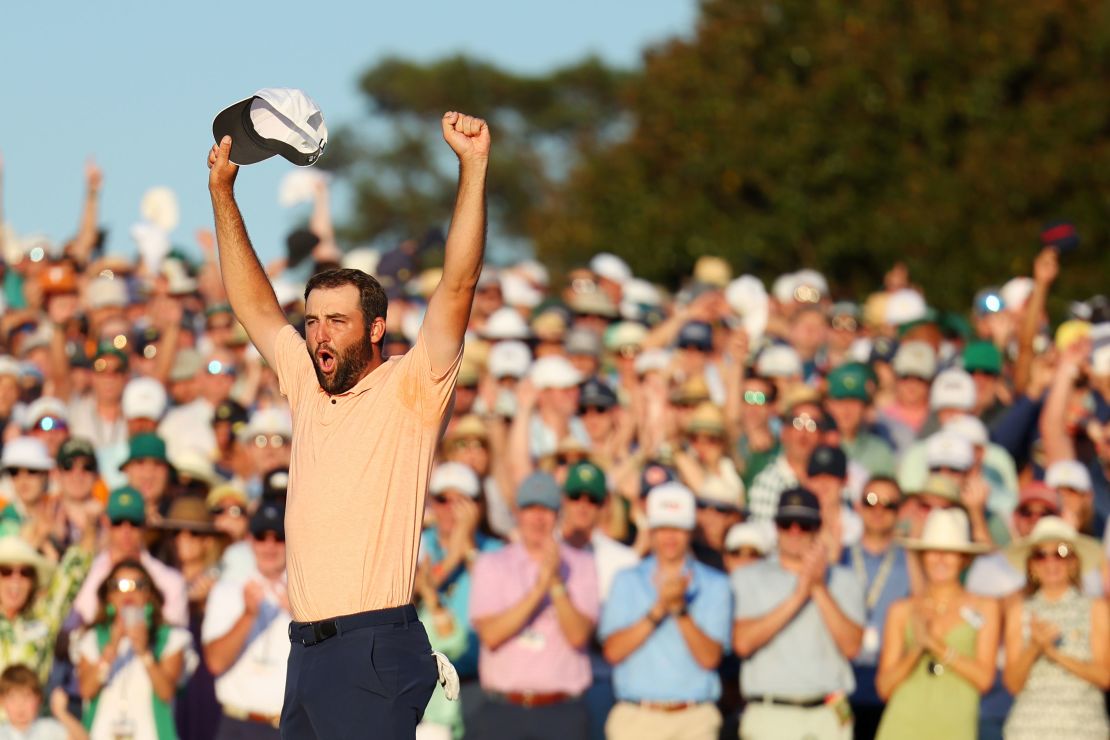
662, 668
802, 661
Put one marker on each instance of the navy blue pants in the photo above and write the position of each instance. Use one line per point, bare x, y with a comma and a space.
499, 720
371, 678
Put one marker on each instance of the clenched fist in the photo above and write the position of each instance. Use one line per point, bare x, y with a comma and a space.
221, 170
468, 136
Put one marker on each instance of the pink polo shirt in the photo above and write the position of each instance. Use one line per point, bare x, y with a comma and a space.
538, 658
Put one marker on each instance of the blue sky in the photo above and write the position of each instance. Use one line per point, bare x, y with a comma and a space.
136, 85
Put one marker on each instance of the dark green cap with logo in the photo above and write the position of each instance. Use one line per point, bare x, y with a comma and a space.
982, 357
126, 505
146, 447
585, 477
850, 381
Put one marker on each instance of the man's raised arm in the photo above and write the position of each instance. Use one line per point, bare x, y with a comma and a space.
449, 307
248, 289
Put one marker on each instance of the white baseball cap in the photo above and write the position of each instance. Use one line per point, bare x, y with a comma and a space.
554, 371
671, 505
652, 360
778, 361
509, 359
970, 428
517, 291
144, 398
454, 476
1068, 474
952, 389
610, 267
105, 292
947, 449
747, 534
43, 407
275, 120
26, 452
268, 421
904, 306
506, 323
915, 359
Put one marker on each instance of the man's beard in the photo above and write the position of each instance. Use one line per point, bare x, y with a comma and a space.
349, 365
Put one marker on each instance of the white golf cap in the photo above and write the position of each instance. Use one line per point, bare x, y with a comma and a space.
26, 452
671, 505
916, 360
652, 360
625, 334
144, 398
275, 120
947, 449
506, 323
454, 476
746, 534
509, 359
636, 294
970, 428
268, 421
517, 291
778, 361
1068, 474
952, 389
43, 407
904, 306
554, 371
1016, 292
610, 267
105, 292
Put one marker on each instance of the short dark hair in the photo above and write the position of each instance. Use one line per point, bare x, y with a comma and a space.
371, 295
19, 676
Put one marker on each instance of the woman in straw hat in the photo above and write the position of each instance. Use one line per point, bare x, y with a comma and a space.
939, 648
1057, 639
36, 596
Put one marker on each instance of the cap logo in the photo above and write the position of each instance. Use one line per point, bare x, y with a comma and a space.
849, 382
585, 473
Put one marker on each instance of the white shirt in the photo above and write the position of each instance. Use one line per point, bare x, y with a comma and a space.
256, 681
127, 696
610, 558
43, 728
189, 427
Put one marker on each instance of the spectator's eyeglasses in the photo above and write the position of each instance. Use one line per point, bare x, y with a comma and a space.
23, 571
215, 367
703, 438
872, 500
845, 323
130, 585
51, 423
806, 526
569, 459
804, 423
121, 522
755, 398
81, 464
235, 511
628, 351
745, 552
719, 508
101, 367
1060, 552
578, 496
694, 347
468, 444
269, 535
16, 472
1028, 512
269, 440
587, 410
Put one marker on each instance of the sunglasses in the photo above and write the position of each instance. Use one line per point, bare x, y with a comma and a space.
130, 585
587, 410
82, 464
468, 444
702, 438
755, 398
51, 423
872, 500
745, 552
719, 508
570, 459
101, 367
14, 472
1060, 552
1028, 512
844, 323
577, 496
235, 511
269, 440
804, 423
269, 536
121, 522
807, 527
24, 571
215, 367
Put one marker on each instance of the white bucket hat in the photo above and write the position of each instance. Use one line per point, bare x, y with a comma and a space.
15, 550
946, 530
1055, 529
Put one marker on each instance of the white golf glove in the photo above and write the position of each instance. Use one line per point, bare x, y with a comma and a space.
448, 676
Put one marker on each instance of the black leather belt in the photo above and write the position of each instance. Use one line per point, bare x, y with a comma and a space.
313, 633
784, 702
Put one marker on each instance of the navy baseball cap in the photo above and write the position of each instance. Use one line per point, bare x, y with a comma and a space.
597, 393
828, 460
798, 505
270, 517
695, 335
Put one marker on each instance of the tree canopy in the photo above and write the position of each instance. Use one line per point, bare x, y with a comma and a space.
839, 136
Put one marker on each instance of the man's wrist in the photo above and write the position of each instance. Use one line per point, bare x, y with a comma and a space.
557, 589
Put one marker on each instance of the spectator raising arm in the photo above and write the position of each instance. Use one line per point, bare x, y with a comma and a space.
253, 298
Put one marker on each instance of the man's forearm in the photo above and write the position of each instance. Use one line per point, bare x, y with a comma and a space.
496, 630
845, 633
244, 279
466, 239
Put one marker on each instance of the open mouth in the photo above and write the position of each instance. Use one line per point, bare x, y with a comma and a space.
326, 360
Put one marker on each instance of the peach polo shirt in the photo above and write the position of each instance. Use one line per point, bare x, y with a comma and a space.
359, 473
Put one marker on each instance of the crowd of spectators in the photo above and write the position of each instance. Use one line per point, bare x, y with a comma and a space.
715, 511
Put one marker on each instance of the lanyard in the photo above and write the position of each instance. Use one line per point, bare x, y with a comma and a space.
881, 576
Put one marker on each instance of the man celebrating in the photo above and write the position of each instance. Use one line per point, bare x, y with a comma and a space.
365, 429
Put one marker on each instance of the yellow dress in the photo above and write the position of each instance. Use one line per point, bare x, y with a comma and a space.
934, 703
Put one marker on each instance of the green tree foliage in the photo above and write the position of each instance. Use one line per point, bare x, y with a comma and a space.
842, 136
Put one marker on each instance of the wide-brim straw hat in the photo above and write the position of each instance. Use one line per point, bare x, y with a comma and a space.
15, 550
1055, 529
946, 530
189, 513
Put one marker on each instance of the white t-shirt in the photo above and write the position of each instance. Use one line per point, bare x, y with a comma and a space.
43, 728
127, 696
256, 681
610, 557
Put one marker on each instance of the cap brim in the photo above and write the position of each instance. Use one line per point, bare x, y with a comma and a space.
797, 514
230, 122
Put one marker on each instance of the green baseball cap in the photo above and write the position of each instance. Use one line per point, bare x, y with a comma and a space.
126, 505
585, 477
850, 381
146, 447
982, 357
